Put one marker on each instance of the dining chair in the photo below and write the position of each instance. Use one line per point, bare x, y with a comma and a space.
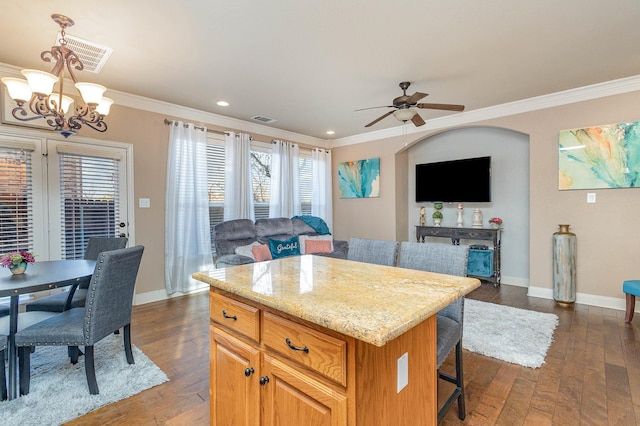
110, 297
75, 297
3, 376
380, 252
451, 260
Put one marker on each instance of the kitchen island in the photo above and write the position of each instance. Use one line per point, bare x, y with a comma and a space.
315, 340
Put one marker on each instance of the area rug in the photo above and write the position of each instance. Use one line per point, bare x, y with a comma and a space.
510, 334
59, 390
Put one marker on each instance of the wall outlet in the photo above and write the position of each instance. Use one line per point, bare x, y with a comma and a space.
144, 203
403, 371
591, 197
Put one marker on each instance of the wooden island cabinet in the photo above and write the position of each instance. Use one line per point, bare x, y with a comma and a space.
319, 341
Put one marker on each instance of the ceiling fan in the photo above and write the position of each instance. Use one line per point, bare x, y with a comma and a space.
404, 107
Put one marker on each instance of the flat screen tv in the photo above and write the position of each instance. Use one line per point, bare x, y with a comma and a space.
461, 181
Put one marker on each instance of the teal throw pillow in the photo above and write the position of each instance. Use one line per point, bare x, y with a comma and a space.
283, 248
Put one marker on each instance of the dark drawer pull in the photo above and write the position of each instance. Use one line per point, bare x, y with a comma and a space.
224, 314
264, 380
296, 348
248, 371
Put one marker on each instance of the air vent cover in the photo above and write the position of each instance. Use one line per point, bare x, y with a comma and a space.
263, 119
92, 55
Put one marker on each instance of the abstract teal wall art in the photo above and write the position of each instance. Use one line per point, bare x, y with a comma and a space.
359, 179
600, 157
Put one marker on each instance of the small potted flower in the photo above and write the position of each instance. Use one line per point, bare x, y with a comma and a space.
17, 261
495, 222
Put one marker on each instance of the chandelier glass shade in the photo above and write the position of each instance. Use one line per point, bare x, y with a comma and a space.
35, 97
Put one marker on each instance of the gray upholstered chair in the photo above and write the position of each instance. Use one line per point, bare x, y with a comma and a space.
380, 252
110, 297
76, 296
3, 376
451, 260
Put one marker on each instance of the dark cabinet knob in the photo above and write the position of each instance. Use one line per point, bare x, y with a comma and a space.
248, 371
264, 380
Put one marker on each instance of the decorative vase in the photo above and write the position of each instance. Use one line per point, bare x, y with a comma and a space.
423, 218
460, 221
477, 218
564, 265
19, 268
495, 225
437, 221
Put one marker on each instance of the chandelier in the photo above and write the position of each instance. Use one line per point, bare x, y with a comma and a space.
36, 99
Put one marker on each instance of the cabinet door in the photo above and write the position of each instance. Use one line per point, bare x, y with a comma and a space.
293, 398
234, 381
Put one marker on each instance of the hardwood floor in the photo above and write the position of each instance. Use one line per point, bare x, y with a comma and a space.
591, 375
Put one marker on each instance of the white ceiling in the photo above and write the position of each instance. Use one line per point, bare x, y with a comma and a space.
310, 64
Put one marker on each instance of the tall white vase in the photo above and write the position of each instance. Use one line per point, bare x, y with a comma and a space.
564, 265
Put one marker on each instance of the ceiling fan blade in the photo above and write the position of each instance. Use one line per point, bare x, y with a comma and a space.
379, 118
446, 107
383, 106
417, 120
415, 97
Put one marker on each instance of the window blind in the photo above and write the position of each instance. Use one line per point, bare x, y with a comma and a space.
89, 188
16, 199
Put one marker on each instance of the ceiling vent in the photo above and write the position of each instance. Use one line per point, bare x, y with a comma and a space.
92, 55
263, 119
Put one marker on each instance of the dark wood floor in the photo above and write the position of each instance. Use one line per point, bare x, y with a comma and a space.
591, 375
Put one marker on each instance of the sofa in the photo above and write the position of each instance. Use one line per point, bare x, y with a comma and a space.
240, 241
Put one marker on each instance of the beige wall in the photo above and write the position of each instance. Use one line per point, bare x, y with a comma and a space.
606, 230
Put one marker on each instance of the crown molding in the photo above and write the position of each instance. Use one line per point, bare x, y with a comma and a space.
173, 110
581, 94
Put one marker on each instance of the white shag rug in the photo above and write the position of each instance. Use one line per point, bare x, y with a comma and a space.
519, 336
59, 390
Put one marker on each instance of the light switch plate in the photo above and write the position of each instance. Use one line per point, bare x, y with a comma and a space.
144, 203
403, 371
591, 197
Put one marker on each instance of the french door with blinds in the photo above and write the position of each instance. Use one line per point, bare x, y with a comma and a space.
54, 195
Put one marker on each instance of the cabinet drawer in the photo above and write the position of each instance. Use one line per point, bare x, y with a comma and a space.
478, 234
322, 353
234, 315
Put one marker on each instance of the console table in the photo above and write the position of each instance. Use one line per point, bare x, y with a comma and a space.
456, 234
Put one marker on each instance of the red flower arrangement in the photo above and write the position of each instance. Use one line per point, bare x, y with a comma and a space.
15, 258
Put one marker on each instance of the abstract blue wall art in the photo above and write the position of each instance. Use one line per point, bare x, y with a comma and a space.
600, 157
359, 179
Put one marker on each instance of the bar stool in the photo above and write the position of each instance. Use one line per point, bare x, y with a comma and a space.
631, 288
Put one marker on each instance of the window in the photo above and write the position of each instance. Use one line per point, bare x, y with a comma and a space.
16, 199
261, 176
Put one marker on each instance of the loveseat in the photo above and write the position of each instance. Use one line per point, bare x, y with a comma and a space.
242, 241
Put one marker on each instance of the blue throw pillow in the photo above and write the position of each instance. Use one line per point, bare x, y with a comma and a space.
283, 248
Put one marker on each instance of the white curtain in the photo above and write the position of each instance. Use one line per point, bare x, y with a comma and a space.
284, 199
238, 190
321, 201
187, 231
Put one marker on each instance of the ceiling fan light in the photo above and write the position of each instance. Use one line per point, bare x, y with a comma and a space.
18, 88
91, 93
405, 114
41, 82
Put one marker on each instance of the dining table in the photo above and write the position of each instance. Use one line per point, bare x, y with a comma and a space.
39, 276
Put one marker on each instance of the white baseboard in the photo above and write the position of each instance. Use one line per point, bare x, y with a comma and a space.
617, 303
514, 281
155, 296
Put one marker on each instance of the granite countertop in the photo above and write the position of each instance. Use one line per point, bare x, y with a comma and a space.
372, 303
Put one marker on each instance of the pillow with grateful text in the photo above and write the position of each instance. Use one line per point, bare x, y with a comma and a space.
283, 248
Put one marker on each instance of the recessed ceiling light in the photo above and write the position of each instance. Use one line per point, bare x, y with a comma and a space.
331, 132
222, 103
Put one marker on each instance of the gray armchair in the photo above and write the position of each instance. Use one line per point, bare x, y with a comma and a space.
451, 260
110, 294
380, 252
76, 296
